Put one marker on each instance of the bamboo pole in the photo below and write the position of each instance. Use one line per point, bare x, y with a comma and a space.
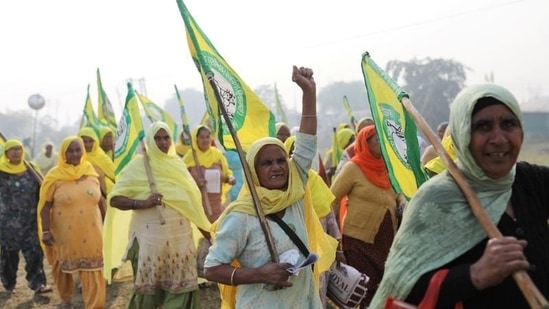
203, 191
247, 172
152, 182
528, 288
29, 167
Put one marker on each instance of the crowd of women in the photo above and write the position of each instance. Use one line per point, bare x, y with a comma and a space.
291, 208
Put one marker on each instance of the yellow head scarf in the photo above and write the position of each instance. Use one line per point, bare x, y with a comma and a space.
172, 178
206, 158
343, 136
436, 165
64, 172
104, 130
273, 201
97, 157
5, 165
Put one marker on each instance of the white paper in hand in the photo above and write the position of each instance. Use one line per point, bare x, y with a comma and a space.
312, 258
213, 180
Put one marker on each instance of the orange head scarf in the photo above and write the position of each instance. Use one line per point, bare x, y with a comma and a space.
373, 168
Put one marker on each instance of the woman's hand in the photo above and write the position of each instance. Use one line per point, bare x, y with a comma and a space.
276, 274
502, 257
303, 77
154, 200
231, 180
47, 238
201, 182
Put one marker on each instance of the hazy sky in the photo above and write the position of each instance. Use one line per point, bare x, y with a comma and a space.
54, 47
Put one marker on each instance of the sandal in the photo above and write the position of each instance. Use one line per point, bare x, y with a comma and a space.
42, 289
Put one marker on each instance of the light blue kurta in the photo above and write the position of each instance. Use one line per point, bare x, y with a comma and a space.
240, 237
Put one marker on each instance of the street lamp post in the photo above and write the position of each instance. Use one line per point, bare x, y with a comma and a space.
36, 102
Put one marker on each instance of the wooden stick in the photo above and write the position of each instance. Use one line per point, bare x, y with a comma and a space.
29, 167
152, 182
247, 172
203, 190
528, 288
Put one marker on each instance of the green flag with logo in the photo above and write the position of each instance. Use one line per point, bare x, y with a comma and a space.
250, 117
396, 130
129, 133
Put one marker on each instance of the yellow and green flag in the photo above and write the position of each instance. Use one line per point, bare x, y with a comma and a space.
116, 226
396, 130
250, 117
184, 118
105, 112
349, 112
156, 113
130, 132
280, 114
89, 118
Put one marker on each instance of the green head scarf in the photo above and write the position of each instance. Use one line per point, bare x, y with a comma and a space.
438, 225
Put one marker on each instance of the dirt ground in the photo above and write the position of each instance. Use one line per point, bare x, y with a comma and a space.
117, 295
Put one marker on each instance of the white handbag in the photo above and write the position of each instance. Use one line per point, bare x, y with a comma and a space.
346, 286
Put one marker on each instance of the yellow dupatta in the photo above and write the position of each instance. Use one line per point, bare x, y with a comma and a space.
436, 165
322, 197
63, 172
273, 201
5, 165
97, 157
206, 158
103, 131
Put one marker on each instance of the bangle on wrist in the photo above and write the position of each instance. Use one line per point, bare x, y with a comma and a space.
308, 116
134, 204
232, 276
45, 232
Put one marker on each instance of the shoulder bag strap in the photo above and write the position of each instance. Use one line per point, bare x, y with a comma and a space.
290, 233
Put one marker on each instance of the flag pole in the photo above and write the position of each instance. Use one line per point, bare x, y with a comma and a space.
152, 183
34, 173
525, 283
201, 173
247, 172
195, 157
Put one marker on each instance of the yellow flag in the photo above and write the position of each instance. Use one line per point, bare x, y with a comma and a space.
396, 130
117, 222
105, 111
184, 118
130, 132
250, 117
280, 114
156, 113
89, 118
349, 112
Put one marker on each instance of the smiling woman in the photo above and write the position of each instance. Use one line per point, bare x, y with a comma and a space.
240, 256
486, 127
